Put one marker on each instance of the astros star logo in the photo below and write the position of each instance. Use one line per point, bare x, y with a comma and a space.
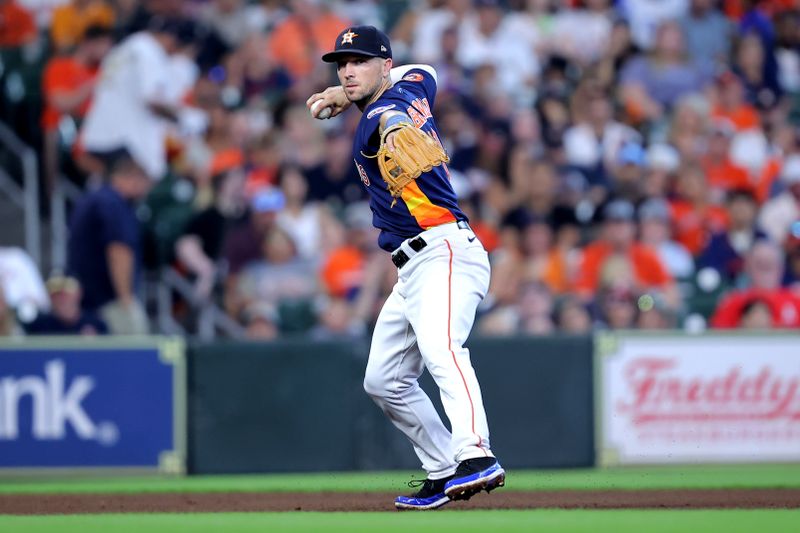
348, 37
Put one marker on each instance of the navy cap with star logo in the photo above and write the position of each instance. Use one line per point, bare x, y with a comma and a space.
360, 40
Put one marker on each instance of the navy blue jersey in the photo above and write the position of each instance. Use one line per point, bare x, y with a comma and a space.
429, 200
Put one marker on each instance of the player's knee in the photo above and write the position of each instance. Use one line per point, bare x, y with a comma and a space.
375, 385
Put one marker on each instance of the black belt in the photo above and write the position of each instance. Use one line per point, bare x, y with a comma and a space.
400, 258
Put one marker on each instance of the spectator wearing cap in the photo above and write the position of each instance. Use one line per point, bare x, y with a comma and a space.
133, 101
780, 212
661, 163
694, 217
628, 175
617, 242
104, 250
242, 243
764, 269
726, 250
71, 20
199, 250
66, 316
655, 231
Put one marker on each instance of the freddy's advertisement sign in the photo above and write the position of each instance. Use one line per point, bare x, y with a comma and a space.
711, 398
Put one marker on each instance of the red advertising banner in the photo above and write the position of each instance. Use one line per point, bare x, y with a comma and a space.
709, 398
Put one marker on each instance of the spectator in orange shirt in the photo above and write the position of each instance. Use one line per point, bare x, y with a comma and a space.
732, 105
723, 175
67, 85
68, 80
298, 41
694, 217
71, 20
764, 267
17, 26
618, 244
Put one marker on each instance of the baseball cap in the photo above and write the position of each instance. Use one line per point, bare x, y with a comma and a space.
663, 157
62, 283
654, 209
632, 154
360, 40
621, 210
268, 200
790, 174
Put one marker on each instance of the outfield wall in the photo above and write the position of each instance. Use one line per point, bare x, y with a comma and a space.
296, 406
612, 399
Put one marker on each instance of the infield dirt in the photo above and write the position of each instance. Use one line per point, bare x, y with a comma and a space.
38, 504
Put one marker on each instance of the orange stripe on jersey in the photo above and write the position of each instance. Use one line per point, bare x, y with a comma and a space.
423, 210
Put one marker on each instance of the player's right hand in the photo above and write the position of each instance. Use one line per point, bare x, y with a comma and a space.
332, 97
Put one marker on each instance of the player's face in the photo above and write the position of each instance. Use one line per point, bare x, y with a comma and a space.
362, 76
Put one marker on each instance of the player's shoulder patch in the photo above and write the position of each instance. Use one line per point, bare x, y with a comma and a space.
380, 109
413, 76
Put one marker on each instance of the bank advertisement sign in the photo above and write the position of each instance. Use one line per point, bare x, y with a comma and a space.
97, 403
704, 398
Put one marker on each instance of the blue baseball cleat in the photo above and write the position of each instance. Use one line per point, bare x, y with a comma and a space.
473, 476
430, 496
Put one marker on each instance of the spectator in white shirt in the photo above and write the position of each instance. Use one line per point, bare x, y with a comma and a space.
133, 101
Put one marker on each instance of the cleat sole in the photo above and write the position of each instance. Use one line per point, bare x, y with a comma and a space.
465, 491
401, 506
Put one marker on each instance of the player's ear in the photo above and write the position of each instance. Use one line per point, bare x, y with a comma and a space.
387, 66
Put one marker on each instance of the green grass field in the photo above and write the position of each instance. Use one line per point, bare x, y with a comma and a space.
612, 521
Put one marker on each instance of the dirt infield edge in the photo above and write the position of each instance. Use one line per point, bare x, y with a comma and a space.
43, 504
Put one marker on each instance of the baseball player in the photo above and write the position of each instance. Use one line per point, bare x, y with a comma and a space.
443, 269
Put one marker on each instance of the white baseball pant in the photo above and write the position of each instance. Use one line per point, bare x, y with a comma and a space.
424, 324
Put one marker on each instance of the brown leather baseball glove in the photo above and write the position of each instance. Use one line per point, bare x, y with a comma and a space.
414, 152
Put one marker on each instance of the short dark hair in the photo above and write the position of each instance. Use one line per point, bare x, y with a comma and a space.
124, 163
740, 194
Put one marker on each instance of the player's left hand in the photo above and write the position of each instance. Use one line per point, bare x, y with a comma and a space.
332, 97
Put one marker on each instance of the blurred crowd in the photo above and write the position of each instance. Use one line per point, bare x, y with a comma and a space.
627, 164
